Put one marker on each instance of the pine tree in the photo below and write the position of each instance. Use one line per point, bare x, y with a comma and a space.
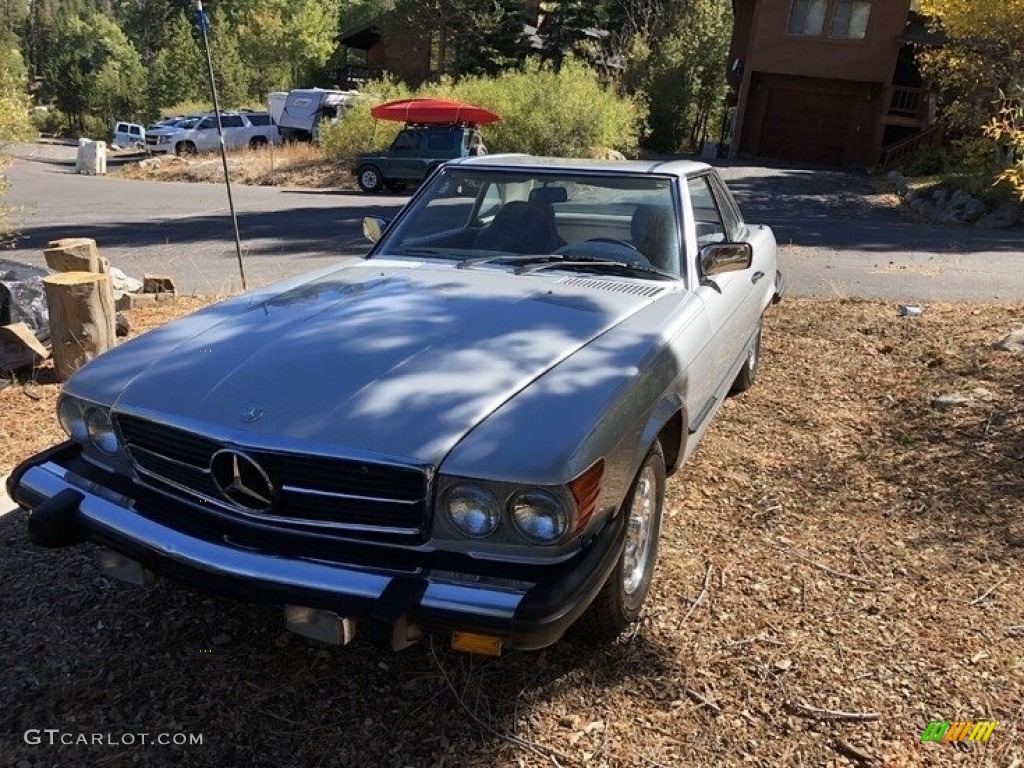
178, 72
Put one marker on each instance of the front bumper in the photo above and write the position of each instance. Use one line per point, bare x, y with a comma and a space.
67, 508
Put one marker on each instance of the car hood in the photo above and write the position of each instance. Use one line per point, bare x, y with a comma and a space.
389, 358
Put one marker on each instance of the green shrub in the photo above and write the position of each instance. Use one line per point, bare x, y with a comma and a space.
926, 161
566, 113
49, 120
357, 131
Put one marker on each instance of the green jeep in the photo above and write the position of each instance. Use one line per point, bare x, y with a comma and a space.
416, 151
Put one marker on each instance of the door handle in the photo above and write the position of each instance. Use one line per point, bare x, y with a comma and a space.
756, 276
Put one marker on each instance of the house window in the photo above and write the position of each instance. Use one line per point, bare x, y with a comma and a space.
846, 19
850, 19
807, 17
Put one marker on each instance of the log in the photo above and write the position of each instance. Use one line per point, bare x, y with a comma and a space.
75, 254
82, 315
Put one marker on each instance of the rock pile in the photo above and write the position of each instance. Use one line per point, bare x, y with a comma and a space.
960, 207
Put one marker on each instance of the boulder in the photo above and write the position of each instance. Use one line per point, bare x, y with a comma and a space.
1012, 342
157, 284
1006, 215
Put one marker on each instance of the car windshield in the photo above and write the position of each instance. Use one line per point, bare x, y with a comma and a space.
543, 220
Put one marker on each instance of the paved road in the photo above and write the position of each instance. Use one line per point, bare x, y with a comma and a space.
837, 238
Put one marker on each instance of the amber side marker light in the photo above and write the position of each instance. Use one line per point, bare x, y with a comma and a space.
484, 645
585, 490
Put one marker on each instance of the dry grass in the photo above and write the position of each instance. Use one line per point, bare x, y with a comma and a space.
836, 543
288, 165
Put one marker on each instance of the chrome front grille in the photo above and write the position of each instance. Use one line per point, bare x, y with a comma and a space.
326, 492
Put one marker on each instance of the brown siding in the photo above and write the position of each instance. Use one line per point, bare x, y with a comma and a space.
872, 59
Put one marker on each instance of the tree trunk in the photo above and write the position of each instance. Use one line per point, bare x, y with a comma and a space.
82, 315
75, 254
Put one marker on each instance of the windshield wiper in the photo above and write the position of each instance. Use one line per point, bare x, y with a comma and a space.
508, 257
579, 261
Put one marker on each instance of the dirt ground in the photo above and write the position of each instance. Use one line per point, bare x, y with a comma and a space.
288, 165
841, 564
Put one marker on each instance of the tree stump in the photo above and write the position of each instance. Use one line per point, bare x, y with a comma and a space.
75, 254
82, 315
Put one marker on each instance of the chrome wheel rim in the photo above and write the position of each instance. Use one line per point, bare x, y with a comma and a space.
638, 531
369, 179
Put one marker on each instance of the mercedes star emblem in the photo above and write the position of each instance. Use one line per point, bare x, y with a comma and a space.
242, 481
251, 414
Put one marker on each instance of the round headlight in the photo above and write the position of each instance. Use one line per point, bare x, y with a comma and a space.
101, 431
539, 516
71, 419
473, 511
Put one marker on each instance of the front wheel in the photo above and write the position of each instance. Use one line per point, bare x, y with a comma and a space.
184, 148
369, 178
748, 373
618, 603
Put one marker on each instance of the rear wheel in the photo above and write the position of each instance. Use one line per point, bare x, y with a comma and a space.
748, 373
369, 178
257, 142
618, 603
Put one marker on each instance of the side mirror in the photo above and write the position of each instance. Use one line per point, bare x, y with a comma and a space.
717, 258
373, 228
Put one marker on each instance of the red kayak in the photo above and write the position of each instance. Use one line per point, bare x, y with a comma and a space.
433, 112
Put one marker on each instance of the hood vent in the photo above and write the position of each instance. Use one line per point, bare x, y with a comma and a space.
632, 289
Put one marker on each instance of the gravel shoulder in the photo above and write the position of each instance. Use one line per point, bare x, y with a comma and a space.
837, 543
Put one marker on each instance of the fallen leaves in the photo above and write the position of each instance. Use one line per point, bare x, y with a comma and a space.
840, 564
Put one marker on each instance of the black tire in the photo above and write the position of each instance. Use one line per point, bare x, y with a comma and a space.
257, 142
748, 373
618, 603
184, 148
369, 178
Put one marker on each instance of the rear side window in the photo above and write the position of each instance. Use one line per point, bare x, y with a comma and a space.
406, 140
440, 141
231, 121
259, 119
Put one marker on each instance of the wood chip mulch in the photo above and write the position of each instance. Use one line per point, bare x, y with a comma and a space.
841, 563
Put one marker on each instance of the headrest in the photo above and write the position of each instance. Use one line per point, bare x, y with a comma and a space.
549, 195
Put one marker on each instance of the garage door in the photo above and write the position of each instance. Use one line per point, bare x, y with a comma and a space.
810, 126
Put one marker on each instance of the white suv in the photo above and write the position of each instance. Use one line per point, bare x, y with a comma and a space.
241, 129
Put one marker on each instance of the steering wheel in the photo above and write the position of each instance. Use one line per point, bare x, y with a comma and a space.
606, 248
613, 241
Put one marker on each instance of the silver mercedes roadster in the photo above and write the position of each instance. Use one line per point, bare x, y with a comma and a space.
466, 432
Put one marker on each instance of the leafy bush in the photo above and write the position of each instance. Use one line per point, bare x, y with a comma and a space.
357, 131
926, 161
566, 113
543, 112
49, 120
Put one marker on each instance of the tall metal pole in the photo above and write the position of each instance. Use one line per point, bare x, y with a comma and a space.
220, 135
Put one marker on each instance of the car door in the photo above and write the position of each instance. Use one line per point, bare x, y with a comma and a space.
206, 134
236, 134
136, 135
726, 296
405, 156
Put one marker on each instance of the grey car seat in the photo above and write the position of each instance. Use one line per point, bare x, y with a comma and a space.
520, 227
655, 234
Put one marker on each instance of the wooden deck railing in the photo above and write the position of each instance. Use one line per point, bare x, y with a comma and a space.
894, 153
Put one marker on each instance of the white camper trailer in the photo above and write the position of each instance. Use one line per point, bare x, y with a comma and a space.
305, 108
